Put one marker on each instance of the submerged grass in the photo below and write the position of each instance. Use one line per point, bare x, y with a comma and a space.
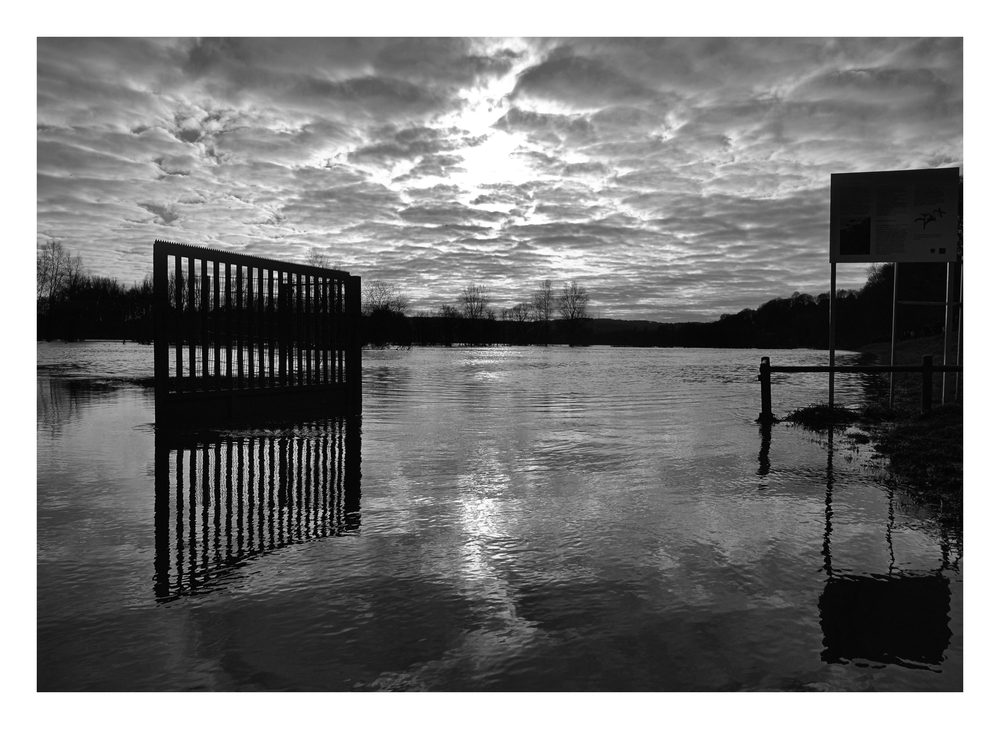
819, 417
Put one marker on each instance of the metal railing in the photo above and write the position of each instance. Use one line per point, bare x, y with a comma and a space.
926, 369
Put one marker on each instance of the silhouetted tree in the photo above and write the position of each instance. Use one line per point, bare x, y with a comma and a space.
543, 301
321, 259
573, 304
58, 278
384, 309
380, 296
474, 301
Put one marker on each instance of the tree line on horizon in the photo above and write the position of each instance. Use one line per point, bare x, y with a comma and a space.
72, 304
549, 316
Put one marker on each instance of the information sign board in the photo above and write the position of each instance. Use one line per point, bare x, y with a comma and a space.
909, 216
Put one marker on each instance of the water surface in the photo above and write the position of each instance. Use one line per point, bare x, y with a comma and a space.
500, 519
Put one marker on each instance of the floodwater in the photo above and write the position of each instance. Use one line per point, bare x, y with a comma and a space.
500, 519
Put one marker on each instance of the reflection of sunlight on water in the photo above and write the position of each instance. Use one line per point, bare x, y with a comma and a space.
503, 635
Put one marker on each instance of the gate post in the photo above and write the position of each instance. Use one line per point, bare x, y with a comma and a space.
161, 311
352, 306
765, 391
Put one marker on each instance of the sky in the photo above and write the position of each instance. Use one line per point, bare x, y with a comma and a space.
676, 179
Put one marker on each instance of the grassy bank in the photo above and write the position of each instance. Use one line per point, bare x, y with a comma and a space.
923, 452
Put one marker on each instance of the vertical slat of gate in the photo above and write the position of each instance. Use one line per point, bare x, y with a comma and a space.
290, 331
251, 322
240, 321
204, 324
317, 320
298, 328
307, 328
313, 344
326, 330
229, 326
334, 288
179, 319
260, 327
287, 335
216, 290
318, 329
334, 331
270, 326
341, 290
281, 332
192, 344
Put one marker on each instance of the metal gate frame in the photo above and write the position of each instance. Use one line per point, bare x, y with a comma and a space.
243, 338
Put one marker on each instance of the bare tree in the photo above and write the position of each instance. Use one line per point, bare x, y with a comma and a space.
521, 312
320, 259
573, 302
382, 297
475, 302
543, 301
56, 271
573, 308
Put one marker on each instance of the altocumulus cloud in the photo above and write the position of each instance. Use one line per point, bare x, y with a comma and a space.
678, 179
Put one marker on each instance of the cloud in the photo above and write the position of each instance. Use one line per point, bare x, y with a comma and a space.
578, 82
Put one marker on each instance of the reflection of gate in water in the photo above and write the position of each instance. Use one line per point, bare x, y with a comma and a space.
223, 500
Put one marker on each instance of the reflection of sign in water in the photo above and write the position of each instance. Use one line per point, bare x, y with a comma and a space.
907, 216
223, 500
893, 619
898, 618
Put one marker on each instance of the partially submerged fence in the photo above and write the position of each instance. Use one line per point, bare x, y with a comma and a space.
926, 369
240, 337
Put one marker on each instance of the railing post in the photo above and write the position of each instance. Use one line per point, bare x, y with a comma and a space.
927, 377
765, 391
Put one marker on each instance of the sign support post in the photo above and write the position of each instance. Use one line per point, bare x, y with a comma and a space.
958, 344
892, 341
833, 323
947, 332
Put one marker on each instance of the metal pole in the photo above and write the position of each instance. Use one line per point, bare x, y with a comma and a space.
947, 329
833, 323
926, 385
958, 344
892, 341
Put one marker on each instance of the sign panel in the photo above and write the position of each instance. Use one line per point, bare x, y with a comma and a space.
883, 217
